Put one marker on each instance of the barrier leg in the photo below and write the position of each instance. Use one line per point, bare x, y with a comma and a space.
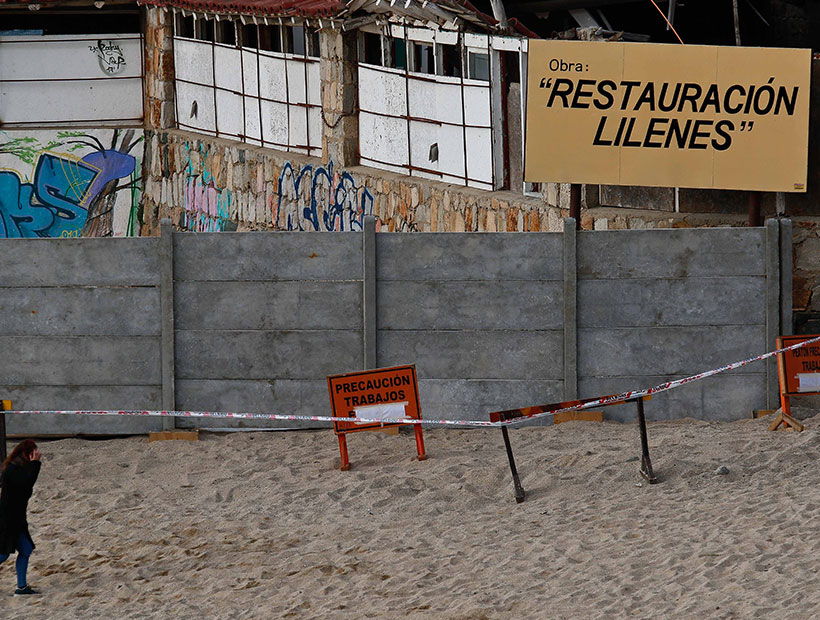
343, 451
519, 490
646, 463
420, 443
3, 428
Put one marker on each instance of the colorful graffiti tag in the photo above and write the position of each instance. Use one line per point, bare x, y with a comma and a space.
336, 202
67, 195
207, 207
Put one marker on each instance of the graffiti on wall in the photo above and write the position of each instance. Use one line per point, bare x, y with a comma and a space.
67, 186
207, 207
110, 56
335, 201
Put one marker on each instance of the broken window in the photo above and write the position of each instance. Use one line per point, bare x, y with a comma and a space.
450, 60
423, 60
204, 30
225, 32
248, 36
184, 26
371, 49
270, 38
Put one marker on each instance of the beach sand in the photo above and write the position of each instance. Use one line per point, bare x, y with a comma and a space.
264, 525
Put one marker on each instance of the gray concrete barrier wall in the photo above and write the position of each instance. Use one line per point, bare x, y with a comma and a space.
254, 322
480, 315
659, 305
79, 329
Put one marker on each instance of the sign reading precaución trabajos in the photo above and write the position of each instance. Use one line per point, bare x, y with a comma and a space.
668, 115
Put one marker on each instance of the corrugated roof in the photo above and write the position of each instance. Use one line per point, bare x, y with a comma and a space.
276, 8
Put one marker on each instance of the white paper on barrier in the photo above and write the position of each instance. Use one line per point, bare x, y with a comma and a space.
387, 411
808, 382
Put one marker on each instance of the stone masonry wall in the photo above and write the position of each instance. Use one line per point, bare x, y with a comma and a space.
159, 68
209, 184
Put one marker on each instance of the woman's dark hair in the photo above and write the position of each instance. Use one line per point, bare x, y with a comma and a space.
21, 453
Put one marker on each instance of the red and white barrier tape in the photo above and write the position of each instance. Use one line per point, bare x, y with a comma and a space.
604, 400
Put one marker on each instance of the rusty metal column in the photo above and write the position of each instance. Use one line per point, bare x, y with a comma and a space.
575, 204
754, 209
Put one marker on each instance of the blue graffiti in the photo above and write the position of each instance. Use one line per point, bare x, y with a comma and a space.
337, 203
56, 202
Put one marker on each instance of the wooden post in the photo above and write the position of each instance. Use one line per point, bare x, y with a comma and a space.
646, 464
419, 442
519, 490
345, 465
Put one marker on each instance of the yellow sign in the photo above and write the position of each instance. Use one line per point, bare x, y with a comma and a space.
668, 115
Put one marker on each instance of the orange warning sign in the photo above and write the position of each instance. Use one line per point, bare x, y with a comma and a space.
383, 393
799, 368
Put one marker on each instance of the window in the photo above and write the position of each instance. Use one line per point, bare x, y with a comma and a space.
423, 61
313, 43
371, 49
204, 29
294, 40
248, 36
270, 38
225, 32
398, 56
478, 66
44, 22
450, 60
185, 26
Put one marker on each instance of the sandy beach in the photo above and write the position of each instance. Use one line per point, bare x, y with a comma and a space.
264, 525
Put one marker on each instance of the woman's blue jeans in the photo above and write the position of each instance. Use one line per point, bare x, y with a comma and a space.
24, 549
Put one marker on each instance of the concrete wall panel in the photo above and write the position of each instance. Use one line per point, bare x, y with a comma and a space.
268, 305
666, 350
267, 256
79, 311
280, 396
81, 360
266, 355
79, 262
671, 253
436, 305
463, 354
724, 397
479, 256
671, 302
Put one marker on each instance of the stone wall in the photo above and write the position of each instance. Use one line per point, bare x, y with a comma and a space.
159, 68
208, 184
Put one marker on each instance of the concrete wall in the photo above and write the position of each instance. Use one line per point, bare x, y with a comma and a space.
79, 329
257, 321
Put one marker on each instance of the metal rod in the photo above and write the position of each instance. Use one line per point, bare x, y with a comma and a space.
575, 204
519, 490
754, 209
646, 463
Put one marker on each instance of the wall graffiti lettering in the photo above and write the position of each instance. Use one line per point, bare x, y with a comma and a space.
67, 195
207, 207
335, 203
109, 56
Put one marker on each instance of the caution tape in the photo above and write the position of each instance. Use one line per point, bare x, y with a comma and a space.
507, 418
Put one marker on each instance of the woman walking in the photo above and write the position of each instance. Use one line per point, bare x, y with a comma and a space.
19, 473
